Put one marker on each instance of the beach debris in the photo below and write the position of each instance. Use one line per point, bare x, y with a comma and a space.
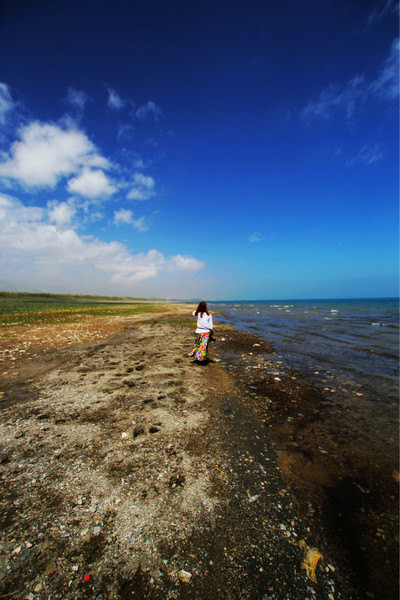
277, 379
253, 498
363, 490
311, 559
86, 577
124, 435
218, 469
184, 576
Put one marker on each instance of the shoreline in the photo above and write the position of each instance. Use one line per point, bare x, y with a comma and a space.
210, 478
350, 502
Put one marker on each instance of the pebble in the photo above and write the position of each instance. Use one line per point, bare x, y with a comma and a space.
96, 530
253, 498
184, 576
124, 435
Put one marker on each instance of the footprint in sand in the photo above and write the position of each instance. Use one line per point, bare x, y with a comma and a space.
129, 383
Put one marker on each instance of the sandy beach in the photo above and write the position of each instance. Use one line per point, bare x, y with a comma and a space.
128, 471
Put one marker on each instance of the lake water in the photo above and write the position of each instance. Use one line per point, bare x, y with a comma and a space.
350, 346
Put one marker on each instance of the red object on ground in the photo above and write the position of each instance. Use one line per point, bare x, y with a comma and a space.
86, 577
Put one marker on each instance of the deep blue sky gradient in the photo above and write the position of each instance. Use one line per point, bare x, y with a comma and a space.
275, 200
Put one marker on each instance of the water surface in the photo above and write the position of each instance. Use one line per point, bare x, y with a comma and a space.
348, 348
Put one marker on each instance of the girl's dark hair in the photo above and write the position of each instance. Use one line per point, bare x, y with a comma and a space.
202, 308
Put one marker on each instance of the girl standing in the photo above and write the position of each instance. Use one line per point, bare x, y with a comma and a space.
203, 332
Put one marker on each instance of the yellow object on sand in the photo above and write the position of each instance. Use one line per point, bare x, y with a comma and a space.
311, 558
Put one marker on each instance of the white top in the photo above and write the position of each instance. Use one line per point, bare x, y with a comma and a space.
204, 323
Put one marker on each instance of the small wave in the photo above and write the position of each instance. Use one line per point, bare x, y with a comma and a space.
378, 324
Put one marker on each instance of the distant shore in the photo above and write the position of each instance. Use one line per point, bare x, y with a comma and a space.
124, 461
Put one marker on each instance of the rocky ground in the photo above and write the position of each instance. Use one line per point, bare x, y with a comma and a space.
128, 471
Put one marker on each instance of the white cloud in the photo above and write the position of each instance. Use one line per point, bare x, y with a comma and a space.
386, 85
337, 98
45, 153
6, 102
255, 237
346, 99
138, 163
10, 208
140, 224
149, 107
125, 132
91, 184
125, 217
61, 214
114, 101
186, 263
368, 155
38, 253
142, 187
77, 98
386, 7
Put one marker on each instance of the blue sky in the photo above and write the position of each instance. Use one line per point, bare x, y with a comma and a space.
224, 150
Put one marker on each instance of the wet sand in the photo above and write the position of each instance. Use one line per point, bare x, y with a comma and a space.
122, 461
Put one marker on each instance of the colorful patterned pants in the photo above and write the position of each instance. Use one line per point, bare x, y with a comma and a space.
200, 346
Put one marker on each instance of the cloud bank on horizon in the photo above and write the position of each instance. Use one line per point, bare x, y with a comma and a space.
45, 247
